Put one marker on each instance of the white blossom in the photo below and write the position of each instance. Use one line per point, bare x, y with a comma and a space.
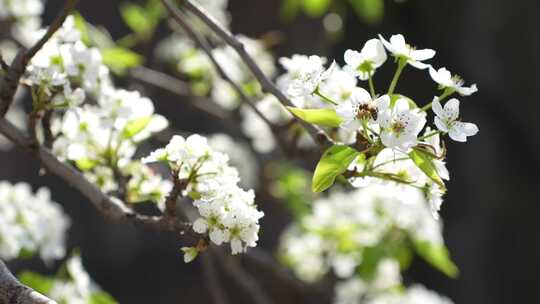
445, 80
364, 63
400, 125
30, 223
400, 49
304, 74
446, 120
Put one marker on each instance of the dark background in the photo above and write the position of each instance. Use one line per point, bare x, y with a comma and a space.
490, 213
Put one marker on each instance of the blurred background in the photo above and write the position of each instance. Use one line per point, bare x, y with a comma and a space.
490, 212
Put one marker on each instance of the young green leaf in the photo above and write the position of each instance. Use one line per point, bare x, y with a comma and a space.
322, 117
85, 164
120, 59
333, 163
101, 298
438, 256
424, 161
137, 19
38, 282
135, 126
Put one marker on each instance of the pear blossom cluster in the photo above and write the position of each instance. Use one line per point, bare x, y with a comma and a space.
96, 126
30, 223
340, 228
227, 213
389, 125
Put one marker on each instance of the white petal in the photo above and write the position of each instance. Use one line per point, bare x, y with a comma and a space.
360, 96
451, 109
422, 55
419, 65
383, 103
401, 105
352, 58
374, 51
457, 134
345, 110
437, 107
469, 129
399, 44
464, 91
441, 125
386, 44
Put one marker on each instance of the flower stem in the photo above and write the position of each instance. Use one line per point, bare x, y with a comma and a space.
324, 97
401, 65
447, 92
371, 86
429, 135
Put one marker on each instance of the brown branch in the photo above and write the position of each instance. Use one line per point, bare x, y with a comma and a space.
207, 49
10, 82
316, 133
14, 292
111, 208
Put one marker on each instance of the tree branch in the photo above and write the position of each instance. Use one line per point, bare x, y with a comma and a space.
316, 133
14, 292
11, 80
111, 208
207, 49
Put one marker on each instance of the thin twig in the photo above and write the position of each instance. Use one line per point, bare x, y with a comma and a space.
316, 133
217, 293
207, 49
14, 292
47, 131
10, 82
176, 87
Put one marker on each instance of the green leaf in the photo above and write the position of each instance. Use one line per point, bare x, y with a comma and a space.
370, 11
120, 59
40, 283
437, 256
101, 298
137, 19
333, 163
322, 117
316, 8
135, 126
85, 164
424, 161
80, 24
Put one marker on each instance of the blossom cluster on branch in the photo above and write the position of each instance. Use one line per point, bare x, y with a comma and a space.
384, 152
226, 212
